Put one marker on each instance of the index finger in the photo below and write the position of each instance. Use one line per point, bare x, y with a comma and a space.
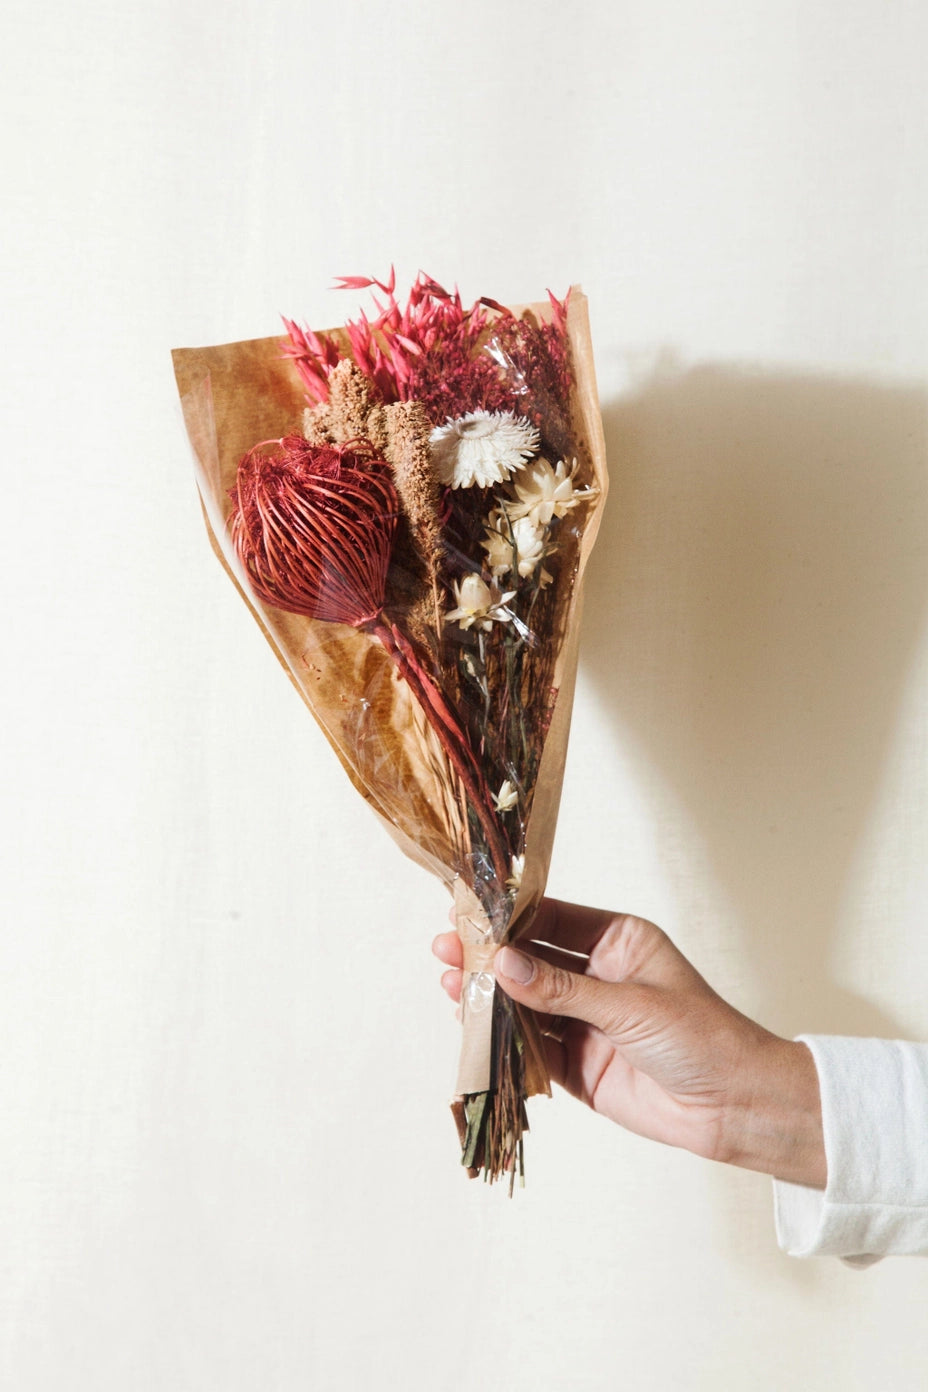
448, 948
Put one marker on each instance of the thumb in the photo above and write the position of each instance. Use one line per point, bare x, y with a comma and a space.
556, 991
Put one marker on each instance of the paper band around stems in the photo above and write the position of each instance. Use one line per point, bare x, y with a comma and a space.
478, 987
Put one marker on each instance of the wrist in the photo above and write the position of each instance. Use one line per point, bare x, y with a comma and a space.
776, 1125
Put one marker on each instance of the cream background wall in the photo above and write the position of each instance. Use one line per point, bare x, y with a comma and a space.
226, 1162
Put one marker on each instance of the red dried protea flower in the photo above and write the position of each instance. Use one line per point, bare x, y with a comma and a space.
313, 526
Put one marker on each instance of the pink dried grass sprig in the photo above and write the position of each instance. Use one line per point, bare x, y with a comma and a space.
430, 350
313, 526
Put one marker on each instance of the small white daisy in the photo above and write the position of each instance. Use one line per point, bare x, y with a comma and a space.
482, 448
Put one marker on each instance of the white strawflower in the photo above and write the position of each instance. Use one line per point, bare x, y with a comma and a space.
530, 545
479, 605
517, 871
506, 798
498, 543
514, 543
482, 448
542, 493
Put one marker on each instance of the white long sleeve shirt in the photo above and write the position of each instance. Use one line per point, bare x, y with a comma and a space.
875, 1117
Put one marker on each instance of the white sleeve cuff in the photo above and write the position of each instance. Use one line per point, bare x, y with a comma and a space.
875, 1117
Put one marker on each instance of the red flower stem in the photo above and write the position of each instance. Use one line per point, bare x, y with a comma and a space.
450, 734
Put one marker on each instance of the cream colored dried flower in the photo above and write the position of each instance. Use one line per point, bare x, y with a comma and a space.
542, 492
498, 542
515, 544
530, 545
518, 870
506, 798
478, 604
482, 448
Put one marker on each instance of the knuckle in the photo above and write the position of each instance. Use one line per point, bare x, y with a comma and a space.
628, 945
560, 989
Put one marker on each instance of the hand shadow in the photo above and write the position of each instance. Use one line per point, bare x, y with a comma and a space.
753, 605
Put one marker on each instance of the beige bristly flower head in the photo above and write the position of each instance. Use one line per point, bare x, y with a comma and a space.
479, 605
482, 448
542, 493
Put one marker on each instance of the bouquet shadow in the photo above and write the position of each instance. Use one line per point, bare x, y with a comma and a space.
751, 618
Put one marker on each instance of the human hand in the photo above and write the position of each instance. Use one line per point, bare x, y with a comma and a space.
635, 1032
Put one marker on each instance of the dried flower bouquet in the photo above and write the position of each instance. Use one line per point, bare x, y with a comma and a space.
408, 504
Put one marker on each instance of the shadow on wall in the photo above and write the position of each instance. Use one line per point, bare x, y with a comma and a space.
753, 605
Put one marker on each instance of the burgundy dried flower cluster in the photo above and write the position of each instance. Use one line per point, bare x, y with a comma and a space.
535, 362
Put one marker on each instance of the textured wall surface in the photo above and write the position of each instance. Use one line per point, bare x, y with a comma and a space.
226, 1161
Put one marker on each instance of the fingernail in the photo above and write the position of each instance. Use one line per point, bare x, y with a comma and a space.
515, 965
